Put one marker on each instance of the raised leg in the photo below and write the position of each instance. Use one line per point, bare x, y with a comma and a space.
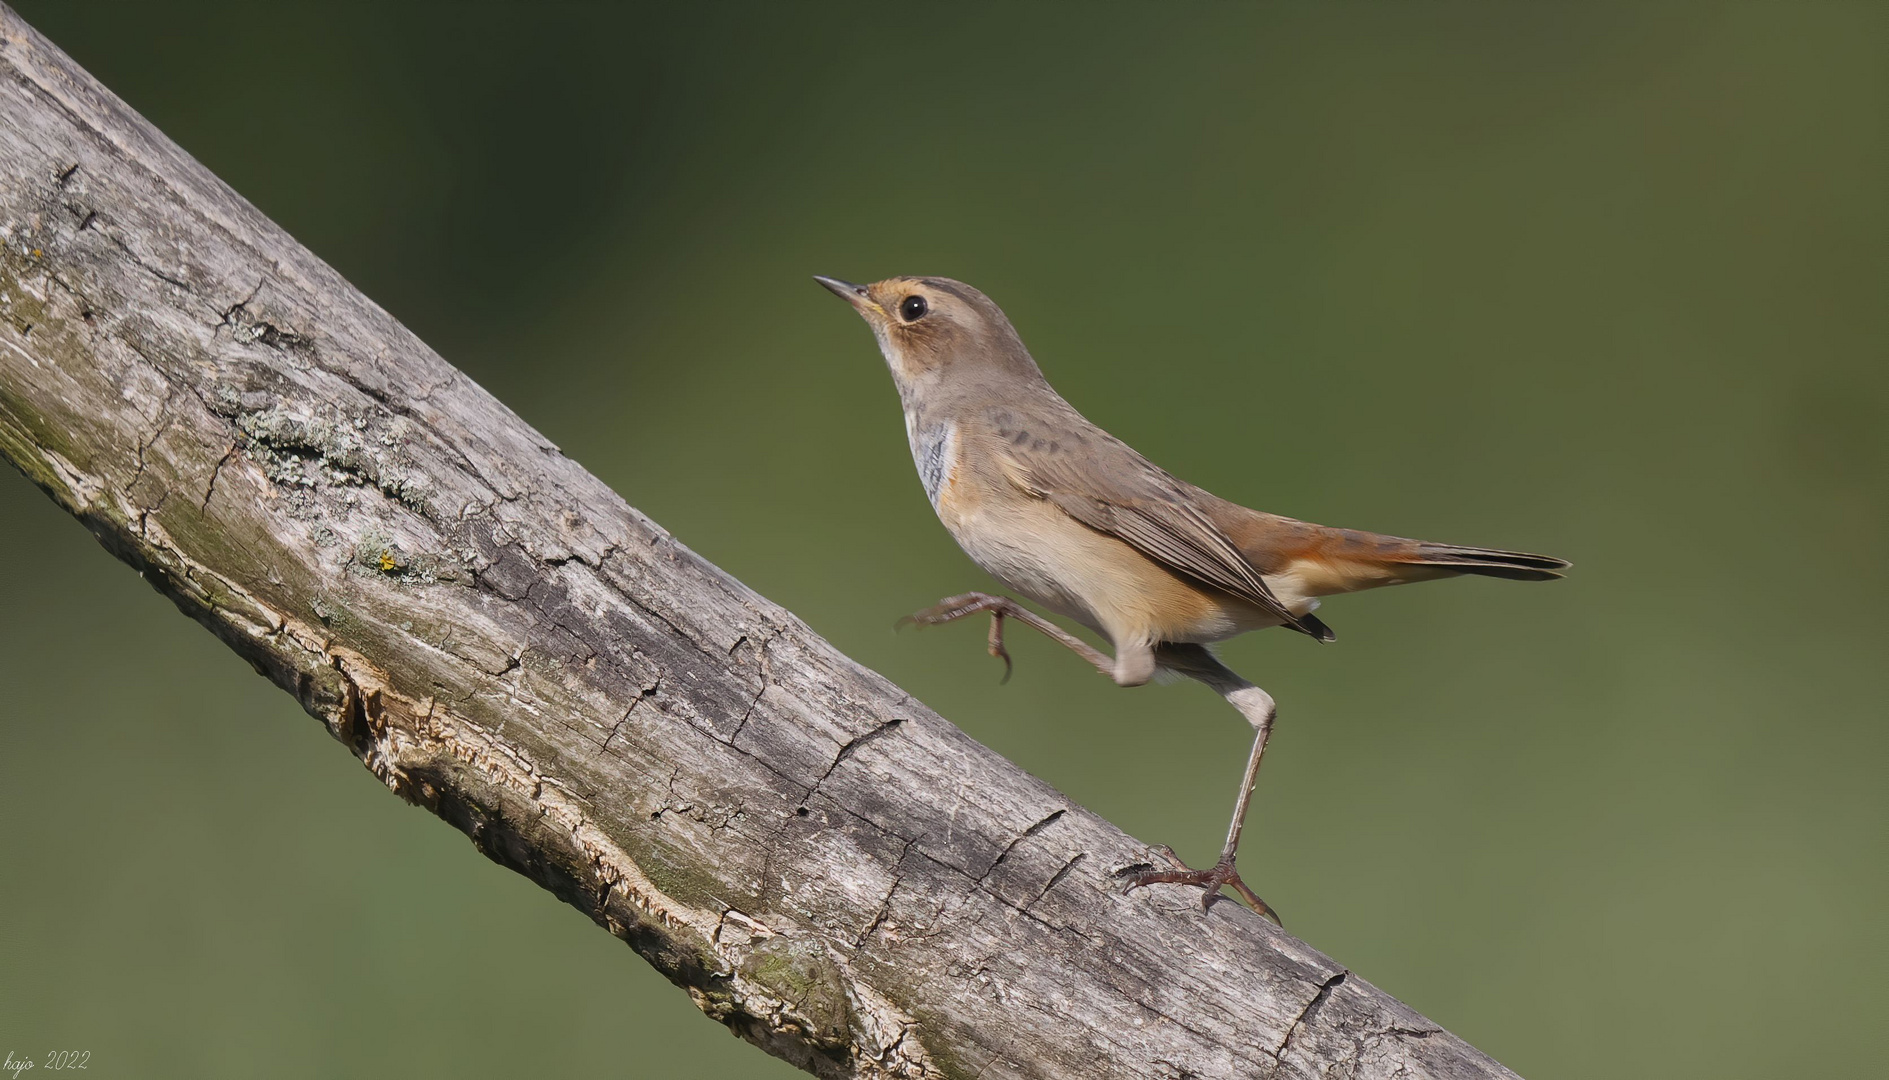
1001, 608
1256, 705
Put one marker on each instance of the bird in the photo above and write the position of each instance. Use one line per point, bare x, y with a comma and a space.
1075, 520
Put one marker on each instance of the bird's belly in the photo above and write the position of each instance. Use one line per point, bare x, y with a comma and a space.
1025, 559
1094, 578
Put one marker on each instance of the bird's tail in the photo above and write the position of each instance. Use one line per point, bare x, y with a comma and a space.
1489, 562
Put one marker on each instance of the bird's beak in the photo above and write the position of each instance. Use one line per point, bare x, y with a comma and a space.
851, 293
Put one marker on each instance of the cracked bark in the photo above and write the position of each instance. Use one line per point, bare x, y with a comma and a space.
821, 863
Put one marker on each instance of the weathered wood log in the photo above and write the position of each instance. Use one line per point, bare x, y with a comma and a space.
821, 862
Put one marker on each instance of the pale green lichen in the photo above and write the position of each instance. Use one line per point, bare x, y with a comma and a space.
300, 451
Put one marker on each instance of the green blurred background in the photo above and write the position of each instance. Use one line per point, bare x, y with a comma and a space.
1606, 282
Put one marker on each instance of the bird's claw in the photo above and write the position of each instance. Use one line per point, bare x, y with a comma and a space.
1208, 881
997, 645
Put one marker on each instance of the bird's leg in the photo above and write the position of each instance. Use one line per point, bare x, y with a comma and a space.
1257, 706
1001, 608
1222, 872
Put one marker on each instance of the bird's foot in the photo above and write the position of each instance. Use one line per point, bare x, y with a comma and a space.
957, 607
1208, 881
1001, 608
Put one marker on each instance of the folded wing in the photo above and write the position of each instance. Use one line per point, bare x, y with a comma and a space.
1155, 514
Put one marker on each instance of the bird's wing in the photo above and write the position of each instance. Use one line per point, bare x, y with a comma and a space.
1116, 491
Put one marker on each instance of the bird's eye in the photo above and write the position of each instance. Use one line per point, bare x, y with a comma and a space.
912, 308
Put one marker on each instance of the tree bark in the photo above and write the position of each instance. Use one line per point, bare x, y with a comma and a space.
820, 862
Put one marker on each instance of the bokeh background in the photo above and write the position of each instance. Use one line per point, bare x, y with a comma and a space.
1602, 281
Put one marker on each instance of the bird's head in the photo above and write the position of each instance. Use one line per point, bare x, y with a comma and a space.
935, 330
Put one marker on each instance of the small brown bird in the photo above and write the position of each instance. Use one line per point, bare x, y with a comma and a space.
1071, 517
